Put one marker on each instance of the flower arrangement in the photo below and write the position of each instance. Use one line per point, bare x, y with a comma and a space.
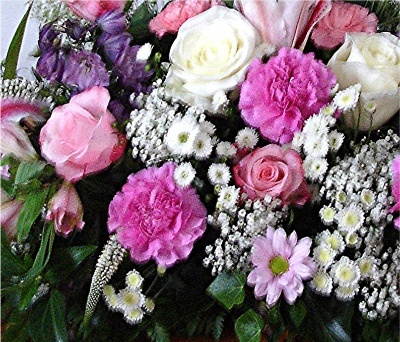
189, 167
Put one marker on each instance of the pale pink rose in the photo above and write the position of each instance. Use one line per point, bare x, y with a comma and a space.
65, 209
271, 170
92, 9
344, 17
170, 19
286, 23
10, 209
79, 138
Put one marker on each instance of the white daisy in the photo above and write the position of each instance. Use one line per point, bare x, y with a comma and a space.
219, 174
335, 140
370, 107
340, 196
351, 239
324, 255
247, 138
226, 149
328, 110
228, 196
316, 146
321, 283
134, 316
345, 272
346, 292
110, 297
350, 219
298, 140
207, 127
315, 169
184, 174
202, 146
367, 266
347, 99
327, 214
133, 280
219, 100
333, 240
181, 135
316, 125
129, 299
149, 305
367, 198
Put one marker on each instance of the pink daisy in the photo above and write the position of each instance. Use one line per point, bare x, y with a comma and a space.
281, 264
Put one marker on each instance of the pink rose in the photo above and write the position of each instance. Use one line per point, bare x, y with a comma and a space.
65, 209
156, 219
343, 17
92, 9
79, 138
176, 13
284, 23
273, 171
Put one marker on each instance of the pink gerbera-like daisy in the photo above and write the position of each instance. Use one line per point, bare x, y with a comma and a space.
281, 264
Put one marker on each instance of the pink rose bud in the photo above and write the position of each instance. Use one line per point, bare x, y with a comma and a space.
10, 209
273, 171
176, 13
79, 138
65, 209
92, 9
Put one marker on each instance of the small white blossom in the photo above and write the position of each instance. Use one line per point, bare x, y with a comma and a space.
321, 283
144, 52
129, 299
316, 146
367, 266
335, 140
207, 127
298, 140
328, 110
324, 255
202, 146
345, 272
134, 280
350, 219
347, 99
315, 169
182, 134
346, 292
226, 149
219, 174
316, 125
327, 214
184, 174
333, 240
247, 138
134, 316
228, 196
110, 297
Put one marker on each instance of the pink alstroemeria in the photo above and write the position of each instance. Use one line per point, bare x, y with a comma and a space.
284, 23
65, 209
10, 209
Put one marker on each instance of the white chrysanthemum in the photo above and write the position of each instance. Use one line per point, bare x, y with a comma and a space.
202, 145
144, 52
181, 135
335, 140
133, 280
219, 174
247, 138
129, 299
351, 239
184, 174
110, 297
367, 198
226, 149
346, 292
149, 305
367, 266
340, 196
328, 110
316, 125
228, 196
347, 99
207, 127
316, 146
321, 283
370, 107
315, 169
333, 240
324, 255
350, 219
298, 141
134, 316
327, 214
345, 272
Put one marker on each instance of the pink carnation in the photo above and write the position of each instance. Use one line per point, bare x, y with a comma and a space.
277, 97
92, 9
344, 17
176, 13
396, 189
156, 219
281, 264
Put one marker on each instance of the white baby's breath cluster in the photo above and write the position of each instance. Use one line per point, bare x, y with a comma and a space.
165, 130
239, 221
47, 11
317, 141
129, 300
351, 255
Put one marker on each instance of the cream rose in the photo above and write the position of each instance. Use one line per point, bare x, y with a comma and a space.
373, 61
210, 55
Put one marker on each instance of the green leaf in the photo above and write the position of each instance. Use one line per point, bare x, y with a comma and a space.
297, 312
30, 289
11, 265
58, 318
139, 26
15, 328
249, 326
158, 333
217, 327
28, 170
30, 212
228, 288
40, 322
11, 62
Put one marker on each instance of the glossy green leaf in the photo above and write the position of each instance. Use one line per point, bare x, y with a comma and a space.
28, 170
228, 288
40, 322
58, 317
249, 326
11, 62
30, 212
29, 290
139, 25
11, 265
297, 312
15, 328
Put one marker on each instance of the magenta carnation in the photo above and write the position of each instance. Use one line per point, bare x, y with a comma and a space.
277, 97
156, 219
281, 264
396, 189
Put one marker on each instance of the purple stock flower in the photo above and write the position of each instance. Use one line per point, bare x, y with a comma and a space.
113, 44
47, 36
112, 22
75, 30
85, 70
51, 65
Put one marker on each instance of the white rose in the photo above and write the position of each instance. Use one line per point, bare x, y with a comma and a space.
210, 55
373, 61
